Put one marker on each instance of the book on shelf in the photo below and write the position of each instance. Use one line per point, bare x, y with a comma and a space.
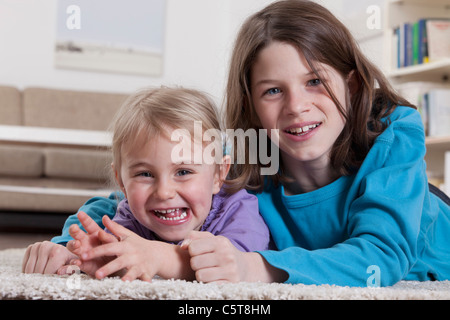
423, 41
438, 39
433, 102
436, 108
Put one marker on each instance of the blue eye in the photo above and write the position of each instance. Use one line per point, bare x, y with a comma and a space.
144, 174
273, 91
314, 82
183, 173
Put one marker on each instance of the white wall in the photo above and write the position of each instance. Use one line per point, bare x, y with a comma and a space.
356, 16
198, 38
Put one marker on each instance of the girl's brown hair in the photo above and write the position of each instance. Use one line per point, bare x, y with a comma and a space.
322, 38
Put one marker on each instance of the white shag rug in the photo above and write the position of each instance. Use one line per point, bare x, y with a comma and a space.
16, 285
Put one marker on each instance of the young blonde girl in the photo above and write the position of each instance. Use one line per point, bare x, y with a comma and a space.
172, 177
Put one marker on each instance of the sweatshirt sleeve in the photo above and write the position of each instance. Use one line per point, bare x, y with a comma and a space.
383, 221
239, 220
96, 208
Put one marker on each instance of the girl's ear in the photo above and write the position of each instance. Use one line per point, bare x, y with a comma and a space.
221, 173
225, 167
353, 82
118, 179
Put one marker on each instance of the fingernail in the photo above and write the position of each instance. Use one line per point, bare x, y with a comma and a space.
84, 256
186, 243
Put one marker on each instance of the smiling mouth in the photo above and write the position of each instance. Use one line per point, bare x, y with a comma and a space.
300, 131
175, 214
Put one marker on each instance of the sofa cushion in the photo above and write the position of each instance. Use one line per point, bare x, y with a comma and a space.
21, 161
10, 106
47, 195
70, 109
77, 164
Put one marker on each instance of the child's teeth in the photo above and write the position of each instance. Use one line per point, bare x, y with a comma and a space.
303, 129
166, 211
182, 216
161, 214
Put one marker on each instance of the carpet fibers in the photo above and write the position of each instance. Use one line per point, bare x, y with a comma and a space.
16, 285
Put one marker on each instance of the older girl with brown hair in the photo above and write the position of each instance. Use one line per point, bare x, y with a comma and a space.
350, 204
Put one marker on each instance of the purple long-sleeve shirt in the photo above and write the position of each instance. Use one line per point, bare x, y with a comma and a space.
234, 216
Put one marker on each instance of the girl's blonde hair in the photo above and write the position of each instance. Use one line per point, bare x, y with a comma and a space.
151, 112
322, 38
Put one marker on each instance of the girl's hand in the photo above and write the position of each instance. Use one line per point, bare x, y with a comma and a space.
86, 241
133, 256
215, 258
46, 257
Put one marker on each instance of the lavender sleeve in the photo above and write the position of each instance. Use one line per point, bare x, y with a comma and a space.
237, 218
125, 218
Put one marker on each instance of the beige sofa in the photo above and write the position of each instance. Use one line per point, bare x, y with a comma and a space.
50, 178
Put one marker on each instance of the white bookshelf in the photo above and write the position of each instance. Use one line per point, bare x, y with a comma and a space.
398, 12
434, 72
